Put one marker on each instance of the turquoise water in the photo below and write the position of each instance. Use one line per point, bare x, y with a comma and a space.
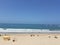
31, 26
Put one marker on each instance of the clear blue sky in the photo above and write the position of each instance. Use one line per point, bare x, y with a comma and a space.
30, 11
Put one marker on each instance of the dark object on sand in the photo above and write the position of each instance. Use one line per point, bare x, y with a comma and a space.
0, 35
56, 37
13, 40
37, 35
32, 35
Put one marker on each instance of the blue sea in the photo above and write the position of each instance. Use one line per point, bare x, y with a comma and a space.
30, 26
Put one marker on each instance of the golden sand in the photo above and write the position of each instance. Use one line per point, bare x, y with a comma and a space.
30, 39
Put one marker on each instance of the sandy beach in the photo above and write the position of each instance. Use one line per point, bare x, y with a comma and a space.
30, 39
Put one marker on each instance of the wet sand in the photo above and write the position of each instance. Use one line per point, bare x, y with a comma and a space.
30, 39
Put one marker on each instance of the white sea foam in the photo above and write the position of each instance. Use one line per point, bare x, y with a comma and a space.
26, 30
23, 30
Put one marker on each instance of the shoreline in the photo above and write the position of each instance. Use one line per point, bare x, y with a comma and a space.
29, 32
